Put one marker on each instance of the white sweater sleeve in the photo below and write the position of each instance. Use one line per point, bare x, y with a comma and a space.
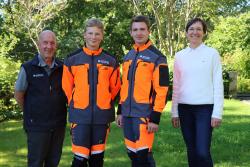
175, 94
217, 87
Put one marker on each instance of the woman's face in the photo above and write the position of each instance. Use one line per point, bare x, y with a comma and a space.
195, 33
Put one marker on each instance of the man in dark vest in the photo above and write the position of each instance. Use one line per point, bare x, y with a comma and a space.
39, 93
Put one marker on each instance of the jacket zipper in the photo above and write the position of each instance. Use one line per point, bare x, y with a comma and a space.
93, 91
131, 80
92, 99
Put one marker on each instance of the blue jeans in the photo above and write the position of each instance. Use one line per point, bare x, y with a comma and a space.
196, 129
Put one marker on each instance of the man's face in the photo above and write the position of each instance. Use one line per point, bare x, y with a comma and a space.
47, 45
139, 32
93, 37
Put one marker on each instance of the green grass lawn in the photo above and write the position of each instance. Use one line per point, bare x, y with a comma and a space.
230, 147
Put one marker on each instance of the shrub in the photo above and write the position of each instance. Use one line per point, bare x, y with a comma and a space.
243, 85
8, 73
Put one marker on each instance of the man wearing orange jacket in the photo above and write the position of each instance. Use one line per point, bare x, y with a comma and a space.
143, 94
91, 81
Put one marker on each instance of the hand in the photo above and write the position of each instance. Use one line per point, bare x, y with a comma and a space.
152, 127
215, 122
176, 122
119, 121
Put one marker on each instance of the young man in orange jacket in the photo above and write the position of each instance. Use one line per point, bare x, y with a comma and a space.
91, 81
143, 94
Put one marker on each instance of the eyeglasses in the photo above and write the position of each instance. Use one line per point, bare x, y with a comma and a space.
195, 29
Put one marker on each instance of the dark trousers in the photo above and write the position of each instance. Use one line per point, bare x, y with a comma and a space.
88, 144
138, 142
45, 148
196, 129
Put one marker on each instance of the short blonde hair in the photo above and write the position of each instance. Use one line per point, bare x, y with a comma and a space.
94, 22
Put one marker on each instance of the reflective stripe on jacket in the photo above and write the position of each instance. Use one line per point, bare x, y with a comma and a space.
145, 82
91, 81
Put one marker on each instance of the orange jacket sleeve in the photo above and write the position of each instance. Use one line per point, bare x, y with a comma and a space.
67, 82
115, 82
160, 85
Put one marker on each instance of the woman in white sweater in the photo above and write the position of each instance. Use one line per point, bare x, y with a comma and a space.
197, 101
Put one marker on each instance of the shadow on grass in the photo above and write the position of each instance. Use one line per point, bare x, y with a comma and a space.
13, 144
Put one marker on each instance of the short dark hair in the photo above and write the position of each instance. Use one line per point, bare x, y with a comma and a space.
140, 18
195, 20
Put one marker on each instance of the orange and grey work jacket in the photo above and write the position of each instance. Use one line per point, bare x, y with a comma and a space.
91, 81
145, 82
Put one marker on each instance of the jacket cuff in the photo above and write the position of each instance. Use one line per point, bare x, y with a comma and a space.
155, 117
119, 110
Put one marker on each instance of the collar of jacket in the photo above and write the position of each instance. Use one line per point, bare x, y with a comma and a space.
92, 52
143, 47
35, 61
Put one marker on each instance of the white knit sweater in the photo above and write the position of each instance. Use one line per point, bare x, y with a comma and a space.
198, 79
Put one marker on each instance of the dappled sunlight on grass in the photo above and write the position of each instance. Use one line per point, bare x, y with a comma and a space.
22, 151
111, 159
12, 126
234, 107
67, 148
227, 164
117, 145
7, 160
8, 129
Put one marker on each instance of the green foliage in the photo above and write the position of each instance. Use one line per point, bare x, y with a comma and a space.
170, 17
243, 85
69, 25
240, 60
231, 37
8, 73
25, 19
8, 42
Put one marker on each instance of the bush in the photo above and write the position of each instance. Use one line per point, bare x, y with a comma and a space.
238, 61
243, 85
8, 73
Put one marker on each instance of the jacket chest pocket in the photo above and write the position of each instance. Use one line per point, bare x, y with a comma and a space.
81, 89
103, 97
143, 81
125, 80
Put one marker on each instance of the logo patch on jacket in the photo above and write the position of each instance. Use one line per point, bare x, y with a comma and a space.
144, 57
38, 75
103, 62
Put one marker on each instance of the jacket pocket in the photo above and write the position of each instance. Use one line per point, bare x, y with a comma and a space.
81, 89
40, 110
103, 97
143, 81
125, 80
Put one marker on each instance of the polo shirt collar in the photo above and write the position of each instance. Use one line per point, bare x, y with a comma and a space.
42, 63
